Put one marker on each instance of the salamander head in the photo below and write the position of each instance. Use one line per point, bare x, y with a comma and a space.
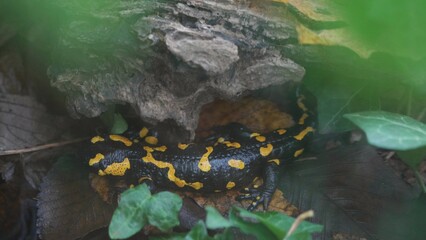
110, 155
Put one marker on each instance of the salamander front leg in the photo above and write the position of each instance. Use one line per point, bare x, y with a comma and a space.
263, 194
150, 184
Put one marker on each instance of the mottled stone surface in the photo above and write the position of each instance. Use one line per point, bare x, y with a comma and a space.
168, 58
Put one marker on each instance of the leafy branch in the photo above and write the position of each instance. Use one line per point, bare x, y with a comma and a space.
396, 132
138, 208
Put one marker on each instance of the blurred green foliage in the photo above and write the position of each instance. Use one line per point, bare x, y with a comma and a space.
391, 79
394, 26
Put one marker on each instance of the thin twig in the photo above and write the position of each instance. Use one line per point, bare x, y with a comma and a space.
40, 147
296, 223
326, 126
389, 155
306, 158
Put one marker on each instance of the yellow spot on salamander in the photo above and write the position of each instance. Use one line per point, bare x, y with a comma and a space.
232, 144
219, 140
196, 185
298, 152
135, 140
183, 146
230, 185
161, 149
261, 138
204, 164
143, 179
118, 169
101, 173
143, 132
276, 161
97, 139
281, 131
303, 118
148, 149
265, 151
96, 159
303, 133
301, 104
217, 190
254, 135
131, 186
151, 140
258, 137
171, 173
236, 163
118, 138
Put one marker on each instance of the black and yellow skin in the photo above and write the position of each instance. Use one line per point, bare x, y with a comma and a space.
230, 159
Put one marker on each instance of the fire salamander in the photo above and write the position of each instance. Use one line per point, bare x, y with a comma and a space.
230, 159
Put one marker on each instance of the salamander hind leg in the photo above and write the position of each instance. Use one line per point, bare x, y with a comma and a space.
262, 194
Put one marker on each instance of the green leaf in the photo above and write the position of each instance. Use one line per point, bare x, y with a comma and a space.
137, 207
135, 196
114, 121
279, 224
413, 157
126, 222
250, 226
129, 218
119, 125
163, 210
215, 220
175, 236
305, 230
390, 130
279, 229
198, 232
225, 235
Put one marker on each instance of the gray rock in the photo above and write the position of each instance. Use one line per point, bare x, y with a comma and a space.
168, 59
213, 54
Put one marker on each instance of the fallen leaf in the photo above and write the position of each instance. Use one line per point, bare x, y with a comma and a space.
68, 208
25, 123
349, 189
